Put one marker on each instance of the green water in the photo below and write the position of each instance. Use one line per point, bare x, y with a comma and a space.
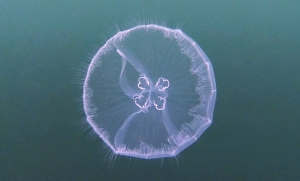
253, 46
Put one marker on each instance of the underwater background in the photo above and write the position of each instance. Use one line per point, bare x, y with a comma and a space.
254, 47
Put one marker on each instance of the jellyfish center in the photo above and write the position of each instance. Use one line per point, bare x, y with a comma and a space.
151, 95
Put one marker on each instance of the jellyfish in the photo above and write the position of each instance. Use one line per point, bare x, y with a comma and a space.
149, 92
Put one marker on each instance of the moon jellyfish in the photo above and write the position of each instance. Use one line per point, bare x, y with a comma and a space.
149, 92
